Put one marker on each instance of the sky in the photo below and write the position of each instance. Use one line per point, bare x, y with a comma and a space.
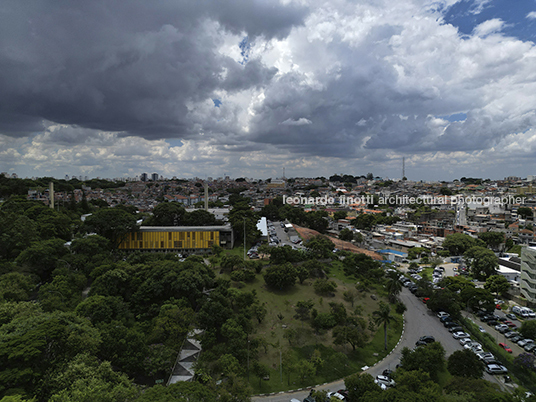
183, 88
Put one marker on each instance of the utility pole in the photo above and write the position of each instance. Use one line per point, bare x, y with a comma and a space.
245, 240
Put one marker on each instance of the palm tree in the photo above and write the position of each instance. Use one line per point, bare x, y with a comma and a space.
383, 316
393, 285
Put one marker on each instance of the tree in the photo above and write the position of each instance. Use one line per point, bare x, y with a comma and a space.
229, 262
304, 369
477, 299
228, 364
415, 385
324, 287
524, 212
111, 223
430, 359
360, 387
492, 239
17, 232
303, 309
179, 392
35, 346
465, 363
459, 243
168, 214
393, 285
497, 284
320, 246
340, 215
484, 262
261, 371
528, 329
445, 300
350, 296
353, 332
383, 316
359, 264
41, 258
86, 379
15, 286
346, 235
280, 276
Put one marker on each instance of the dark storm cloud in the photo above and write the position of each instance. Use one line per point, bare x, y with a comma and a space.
130, 66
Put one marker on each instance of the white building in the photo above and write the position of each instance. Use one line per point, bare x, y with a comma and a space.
527, 282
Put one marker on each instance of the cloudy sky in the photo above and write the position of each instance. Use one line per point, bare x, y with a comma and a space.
249, 87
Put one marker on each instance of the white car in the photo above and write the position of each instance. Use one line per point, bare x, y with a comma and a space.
524, 342
459, 335
496, 369
384, 381
464, 341
471, 345
336, 395
485, 355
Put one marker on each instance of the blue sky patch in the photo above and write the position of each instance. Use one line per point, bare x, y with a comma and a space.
467, 14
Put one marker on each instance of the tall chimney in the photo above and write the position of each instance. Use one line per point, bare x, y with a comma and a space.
51, 195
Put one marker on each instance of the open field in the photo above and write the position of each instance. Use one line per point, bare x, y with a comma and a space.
339, 361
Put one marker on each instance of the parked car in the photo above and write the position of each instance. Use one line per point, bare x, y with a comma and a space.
442, 314
516, 338
427, 338
385, 381
459, 335
505, 347
511, 316
510, 334
496, 369
445, 319
470, 345
485, 355
529, 347
464, 341
457, 328
450, 324
335, 394
501, 327
481, 329
524, 342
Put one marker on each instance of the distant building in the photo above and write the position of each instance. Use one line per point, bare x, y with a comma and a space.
154, 177
277, 183
527, 282
189, 239
143, 177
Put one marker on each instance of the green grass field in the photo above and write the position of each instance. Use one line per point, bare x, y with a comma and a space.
339, 361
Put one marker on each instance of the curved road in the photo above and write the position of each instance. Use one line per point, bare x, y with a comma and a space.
418, 321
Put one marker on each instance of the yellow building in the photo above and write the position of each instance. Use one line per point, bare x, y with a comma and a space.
189, 239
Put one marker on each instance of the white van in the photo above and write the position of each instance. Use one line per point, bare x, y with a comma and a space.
527, 312
516, 310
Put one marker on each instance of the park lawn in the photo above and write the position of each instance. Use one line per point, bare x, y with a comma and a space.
340, 361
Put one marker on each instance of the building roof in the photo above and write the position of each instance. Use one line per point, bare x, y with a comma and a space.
184, 228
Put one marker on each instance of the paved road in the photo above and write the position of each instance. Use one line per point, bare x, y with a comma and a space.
418, 321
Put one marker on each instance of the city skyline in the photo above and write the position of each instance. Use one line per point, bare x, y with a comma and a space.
313, 87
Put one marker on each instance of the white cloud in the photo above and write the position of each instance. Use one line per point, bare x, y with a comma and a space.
302, 121
531, 15
489, 27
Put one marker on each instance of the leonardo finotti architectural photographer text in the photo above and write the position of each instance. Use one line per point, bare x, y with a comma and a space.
403, 200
